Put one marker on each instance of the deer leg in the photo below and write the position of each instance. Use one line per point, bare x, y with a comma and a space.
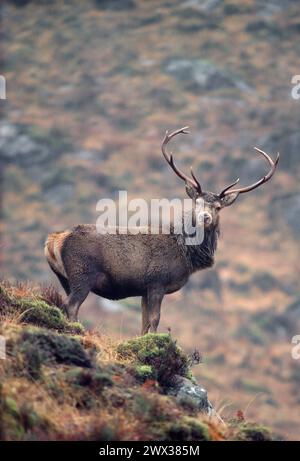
145, 316
81, 283
73, 303
63, 280
79, 289
154, 299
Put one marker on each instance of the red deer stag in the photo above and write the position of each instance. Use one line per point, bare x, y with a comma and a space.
117, 266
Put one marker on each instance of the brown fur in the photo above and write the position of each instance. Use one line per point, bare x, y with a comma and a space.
117, 266
53, 250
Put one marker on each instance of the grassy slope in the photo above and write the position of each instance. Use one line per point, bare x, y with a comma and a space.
61, 383
96, 80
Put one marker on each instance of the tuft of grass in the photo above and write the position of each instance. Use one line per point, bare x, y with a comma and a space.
24, 304
43, 315
58, 386
20, 422
53, 347
189, 429
158, 351
33, 348
94, 380
51, 296
253, 432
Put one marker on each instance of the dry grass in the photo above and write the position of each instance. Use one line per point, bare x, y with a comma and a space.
44, 397
224, 127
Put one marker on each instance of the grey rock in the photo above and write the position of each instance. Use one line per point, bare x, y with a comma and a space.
207, 6
187, 391
18, 147
88, 155
269, 8
197, 74
7, 131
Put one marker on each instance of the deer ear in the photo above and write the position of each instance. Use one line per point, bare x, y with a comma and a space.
191, 191
229, 199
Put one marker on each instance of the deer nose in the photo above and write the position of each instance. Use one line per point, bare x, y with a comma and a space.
205, 217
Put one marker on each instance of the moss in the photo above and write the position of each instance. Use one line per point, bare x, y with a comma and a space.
253, 432
106, 433
37, 312
143, 372
38, 347
94, 380
85, 386
33, 361
188, 429
164, 421
160, 352
149, 408
41, 314
29, 417
13, 429
17, 423
189, 375
11, 407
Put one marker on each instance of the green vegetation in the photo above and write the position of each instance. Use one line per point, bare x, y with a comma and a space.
31, 309
253, 432
56, 385
159, 353
87, 120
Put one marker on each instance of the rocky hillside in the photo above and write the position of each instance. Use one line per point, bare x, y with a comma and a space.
58, 382
91, 88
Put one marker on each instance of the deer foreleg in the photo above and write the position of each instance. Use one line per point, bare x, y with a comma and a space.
154, 299
145, 316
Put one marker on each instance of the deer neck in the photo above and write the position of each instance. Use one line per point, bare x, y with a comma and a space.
201, 255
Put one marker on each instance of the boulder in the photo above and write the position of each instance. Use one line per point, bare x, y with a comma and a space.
197, 74
20, 148
188, 392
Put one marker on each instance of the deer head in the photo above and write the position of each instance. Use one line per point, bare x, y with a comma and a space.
212, 203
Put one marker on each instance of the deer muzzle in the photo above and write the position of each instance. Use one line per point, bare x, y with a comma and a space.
205, 218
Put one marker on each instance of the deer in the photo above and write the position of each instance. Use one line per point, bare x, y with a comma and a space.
117, 266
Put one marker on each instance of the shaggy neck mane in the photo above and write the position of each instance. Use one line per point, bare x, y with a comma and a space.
202, 256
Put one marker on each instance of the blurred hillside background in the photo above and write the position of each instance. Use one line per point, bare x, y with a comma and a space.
91, 88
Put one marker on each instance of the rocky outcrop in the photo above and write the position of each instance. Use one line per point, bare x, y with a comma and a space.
158, 357
188, 392
18, 147
201, 75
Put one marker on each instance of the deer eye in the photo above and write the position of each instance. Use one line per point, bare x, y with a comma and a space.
218, 207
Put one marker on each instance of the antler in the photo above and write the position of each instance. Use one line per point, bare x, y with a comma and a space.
169, 158
263, 180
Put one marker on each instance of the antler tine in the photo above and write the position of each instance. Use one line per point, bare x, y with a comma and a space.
195, 179
258, 183
170, 160
228, 187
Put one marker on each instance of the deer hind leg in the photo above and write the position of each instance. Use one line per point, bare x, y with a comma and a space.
145, 316
154, 299
79, 289
73, 303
